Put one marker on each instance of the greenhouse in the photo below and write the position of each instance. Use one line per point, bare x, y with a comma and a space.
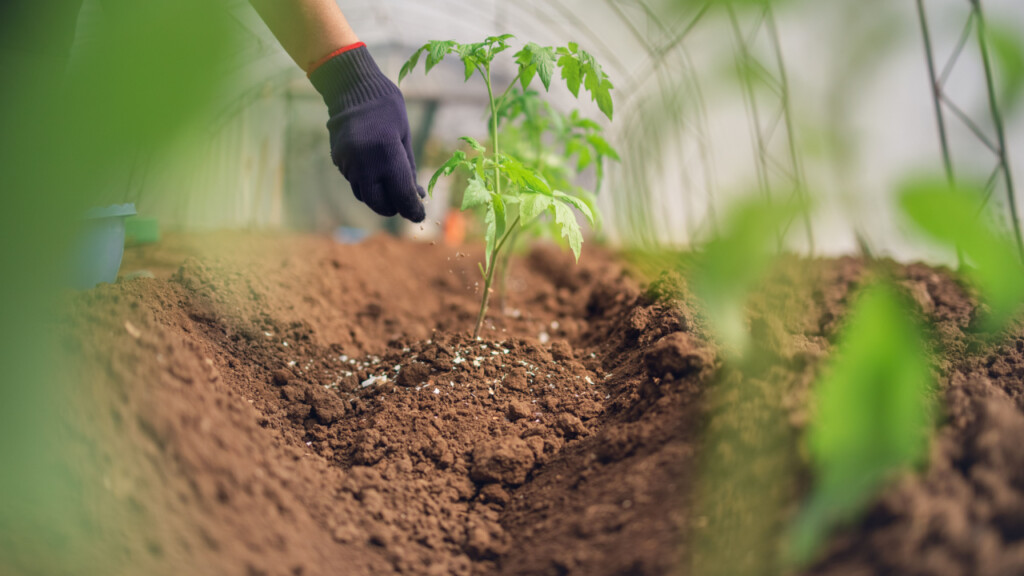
604, 287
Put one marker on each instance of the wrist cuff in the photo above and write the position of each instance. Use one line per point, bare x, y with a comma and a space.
350, 77
341, 50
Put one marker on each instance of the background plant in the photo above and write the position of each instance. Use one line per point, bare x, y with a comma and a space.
511, 193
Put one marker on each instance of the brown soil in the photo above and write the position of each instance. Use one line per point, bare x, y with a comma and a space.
287, 405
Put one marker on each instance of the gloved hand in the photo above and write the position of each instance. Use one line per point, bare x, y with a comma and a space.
369, 130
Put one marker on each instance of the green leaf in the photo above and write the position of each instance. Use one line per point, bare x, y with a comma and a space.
457, 159
474, 143
471, 55
536, 59
570, 228
495, 220
571, 73
476, 194
411, 63
732, 265
603, 96
954, 217
579, 204
873, 416
499, 39
1008, 53
583, 153
438, 50
526, 74
523, 176
532, 206
602, 147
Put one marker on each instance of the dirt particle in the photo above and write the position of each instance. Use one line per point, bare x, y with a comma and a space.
518, 409
676, 356
280, 377
413, 375
494, 494
561, 351
570, 426
508, 460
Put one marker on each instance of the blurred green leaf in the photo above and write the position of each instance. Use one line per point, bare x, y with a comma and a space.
954, 217
1008, 53
873, 416
730, 266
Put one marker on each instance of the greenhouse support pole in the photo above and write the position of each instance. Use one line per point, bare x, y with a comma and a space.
936, 92
997, 119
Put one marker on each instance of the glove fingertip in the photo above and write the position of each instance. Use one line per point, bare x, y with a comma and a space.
421, 191
415, 212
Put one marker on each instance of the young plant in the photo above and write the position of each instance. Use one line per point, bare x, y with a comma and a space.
560, 147
512, 193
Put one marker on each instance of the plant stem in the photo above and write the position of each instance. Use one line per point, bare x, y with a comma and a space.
489, 278
492, 260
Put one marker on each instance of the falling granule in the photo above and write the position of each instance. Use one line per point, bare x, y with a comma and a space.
373, 380
285, 344
437, 391
132, 330
544, 338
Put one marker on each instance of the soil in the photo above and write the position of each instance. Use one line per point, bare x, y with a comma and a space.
286, 405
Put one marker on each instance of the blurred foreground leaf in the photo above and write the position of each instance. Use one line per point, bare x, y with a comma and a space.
953, 216
1008, 51
872, 419
731, 265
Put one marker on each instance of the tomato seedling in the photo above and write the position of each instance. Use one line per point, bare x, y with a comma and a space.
512, 193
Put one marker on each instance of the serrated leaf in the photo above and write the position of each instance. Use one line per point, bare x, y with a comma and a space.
469, 56
410, 64
570, 228
531, 206
578, 204
437, 51
476, 194
540, 59
474, 143
523, 176
457, 159
571, 73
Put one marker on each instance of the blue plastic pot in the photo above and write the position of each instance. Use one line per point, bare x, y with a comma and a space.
99, 246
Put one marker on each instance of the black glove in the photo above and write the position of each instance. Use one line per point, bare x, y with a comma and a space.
370, 133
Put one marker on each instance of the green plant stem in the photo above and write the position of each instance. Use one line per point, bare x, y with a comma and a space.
489, 278
492, 261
